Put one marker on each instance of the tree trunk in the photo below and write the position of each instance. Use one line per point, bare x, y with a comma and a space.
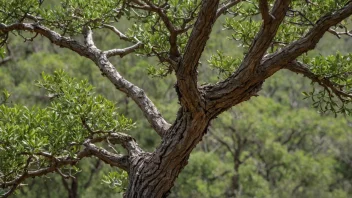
153, 174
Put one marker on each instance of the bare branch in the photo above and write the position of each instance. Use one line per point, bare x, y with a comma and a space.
112, 159
226, 6
338, 34
118, 160
137, 94
116, 31
88, 38
125, 140
101, 60
53, 36
123, 52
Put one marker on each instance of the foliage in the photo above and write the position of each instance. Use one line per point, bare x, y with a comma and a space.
335, 68
116, 180
263, 148
56, 130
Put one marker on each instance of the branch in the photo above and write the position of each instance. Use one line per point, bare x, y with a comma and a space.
118, 160
309, 41
123, 52
264, 11
265, 36
56, 163
148, 6
186, 72
88, 38
112, 159
302, 68
226, 6
53, 36
101, 60
128, 142
116, 31
246, 81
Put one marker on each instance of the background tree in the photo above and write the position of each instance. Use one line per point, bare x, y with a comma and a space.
274, 36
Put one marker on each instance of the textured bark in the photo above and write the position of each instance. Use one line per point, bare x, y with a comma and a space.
152, 175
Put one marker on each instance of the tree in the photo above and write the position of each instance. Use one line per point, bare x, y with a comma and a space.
274, 35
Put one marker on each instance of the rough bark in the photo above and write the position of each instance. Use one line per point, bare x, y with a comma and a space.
153, 174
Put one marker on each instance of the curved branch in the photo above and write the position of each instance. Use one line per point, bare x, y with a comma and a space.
301, 68
123, 52
247, 81
53, 36
128, 142
56, 163
112, 159
148, 6
117, 32
117, 160
101, 60
309, 41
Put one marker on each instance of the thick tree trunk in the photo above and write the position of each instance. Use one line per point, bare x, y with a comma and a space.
153, 174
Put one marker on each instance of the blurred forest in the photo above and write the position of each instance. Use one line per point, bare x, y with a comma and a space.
275, 145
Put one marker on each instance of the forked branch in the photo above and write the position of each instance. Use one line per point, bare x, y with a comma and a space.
309, 41
100, 58
186, 72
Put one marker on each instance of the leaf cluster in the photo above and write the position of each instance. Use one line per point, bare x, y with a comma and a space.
337, 69
58, 130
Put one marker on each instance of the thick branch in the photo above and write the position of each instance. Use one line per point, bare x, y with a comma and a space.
53, 36
101, 60
187, 70
112, 159
247, 81
268, 31
264, 10
309, 41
